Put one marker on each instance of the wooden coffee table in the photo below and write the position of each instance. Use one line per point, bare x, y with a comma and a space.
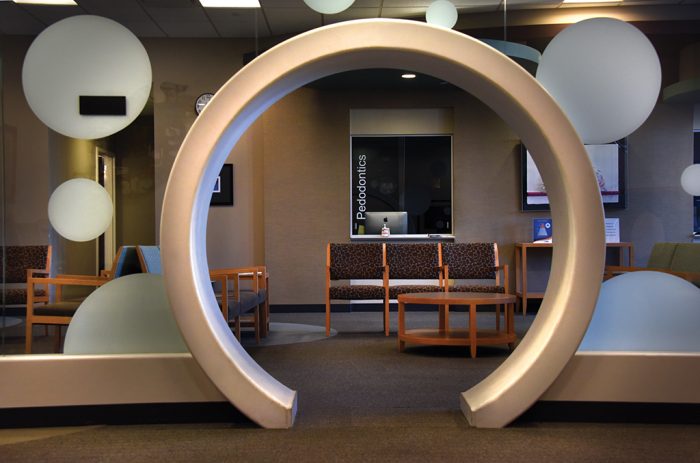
443, 335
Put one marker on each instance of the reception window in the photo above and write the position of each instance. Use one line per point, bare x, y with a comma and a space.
404, 181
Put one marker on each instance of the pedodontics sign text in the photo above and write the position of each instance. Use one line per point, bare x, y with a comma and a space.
361, 186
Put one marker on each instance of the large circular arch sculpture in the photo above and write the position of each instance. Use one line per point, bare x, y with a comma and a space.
492, 77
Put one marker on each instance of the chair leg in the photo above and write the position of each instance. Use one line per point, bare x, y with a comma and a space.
28, 336
237, 327
256, 323
386, 317
57, 340
328, 316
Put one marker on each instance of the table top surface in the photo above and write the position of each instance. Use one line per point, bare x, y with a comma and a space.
456, 298
621, 244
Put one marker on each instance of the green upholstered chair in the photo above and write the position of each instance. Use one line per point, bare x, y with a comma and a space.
680, 259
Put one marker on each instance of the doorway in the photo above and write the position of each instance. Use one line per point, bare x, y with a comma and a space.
104, 175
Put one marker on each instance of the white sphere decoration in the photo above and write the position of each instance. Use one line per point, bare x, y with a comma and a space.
80, 209
628, 315
129, 315
606, 76
89, 56
690, 179
329, 6
441, 13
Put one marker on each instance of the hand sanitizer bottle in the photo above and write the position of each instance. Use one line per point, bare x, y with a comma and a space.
385, 228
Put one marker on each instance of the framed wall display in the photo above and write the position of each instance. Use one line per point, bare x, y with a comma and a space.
609, 164
222, 194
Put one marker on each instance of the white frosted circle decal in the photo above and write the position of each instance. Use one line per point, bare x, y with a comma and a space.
128, 315
92, 57
627, 315
606, 76
329, 6
441, 13
690, 179
80, 209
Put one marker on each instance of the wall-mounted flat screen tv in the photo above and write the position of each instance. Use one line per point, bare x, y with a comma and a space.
609, 164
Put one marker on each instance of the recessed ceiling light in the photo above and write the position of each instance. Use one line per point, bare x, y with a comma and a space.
47, 2
408, 75
230, 3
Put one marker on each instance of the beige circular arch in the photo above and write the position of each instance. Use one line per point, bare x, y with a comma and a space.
495, 79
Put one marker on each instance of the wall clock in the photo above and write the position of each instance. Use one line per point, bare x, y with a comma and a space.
202, 101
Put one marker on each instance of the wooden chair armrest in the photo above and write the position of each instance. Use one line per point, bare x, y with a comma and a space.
504, 269
36, 271
86, 277
257, 274
68, 280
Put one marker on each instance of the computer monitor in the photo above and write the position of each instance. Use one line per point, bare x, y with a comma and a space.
397, 221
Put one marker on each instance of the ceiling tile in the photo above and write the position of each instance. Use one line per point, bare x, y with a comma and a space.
350, 14
183, 22
129, 13
48, 14
235, 22
531, 4
426, 3
650, 2
124, 10
292, 20
403, 12
283, 4
15, 21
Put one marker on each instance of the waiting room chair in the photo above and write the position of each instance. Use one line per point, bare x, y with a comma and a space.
233, 302
412, 261
21, 262
60, 311
680, 259
474, 261
247, 293
355, 261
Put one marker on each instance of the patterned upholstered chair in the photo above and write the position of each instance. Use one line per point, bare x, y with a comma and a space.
355, 261
474, 261
412, 261
60, 310
21, 262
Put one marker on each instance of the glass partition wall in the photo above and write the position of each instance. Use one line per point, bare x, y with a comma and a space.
3, 315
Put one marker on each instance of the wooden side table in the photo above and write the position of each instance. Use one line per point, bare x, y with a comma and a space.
523, 293
443, 335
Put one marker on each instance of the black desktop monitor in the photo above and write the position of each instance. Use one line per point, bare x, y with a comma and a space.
397, 221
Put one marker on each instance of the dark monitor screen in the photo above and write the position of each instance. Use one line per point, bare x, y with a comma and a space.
397, 221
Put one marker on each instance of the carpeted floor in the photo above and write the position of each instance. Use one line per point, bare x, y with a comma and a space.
361, 400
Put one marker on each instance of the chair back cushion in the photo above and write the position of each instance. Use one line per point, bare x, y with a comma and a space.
150, 259
469, 261
361, 261
19, 258
686, 258
413, 260
662, 255
127, 262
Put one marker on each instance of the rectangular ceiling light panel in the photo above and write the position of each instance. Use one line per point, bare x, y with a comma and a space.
592, 1
47, 2
230, 3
